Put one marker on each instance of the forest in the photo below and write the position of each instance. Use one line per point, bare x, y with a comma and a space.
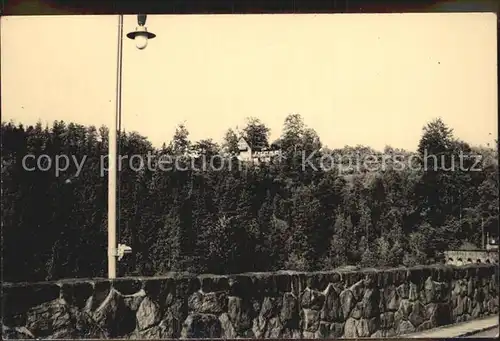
267, 217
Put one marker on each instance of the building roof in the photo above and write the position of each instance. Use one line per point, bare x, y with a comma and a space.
243, 144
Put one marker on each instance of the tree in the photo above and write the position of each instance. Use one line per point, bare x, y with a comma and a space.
369, 258
396, 255
215, 243
304, 224
436, 148
437, 139
339, 252
416, 253
293, 133
230, 144
377, 203
256, 133
180, 142
205, 151
167, 244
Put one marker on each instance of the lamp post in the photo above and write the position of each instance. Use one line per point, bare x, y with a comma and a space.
141, 36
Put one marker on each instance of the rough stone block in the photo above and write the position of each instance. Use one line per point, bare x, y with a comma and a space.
311, 320
160, 331
371, 278
264, 284
308, 335
47, 318
399, 276
228, 331
403, 290
323, 331
370, 303
392, 299
77, 293
404, 327
443, 314
201, 326
379, 334
291, 334
282, 283
355, 277
156, 287
114, 317
381, 305
240, 313
241, 286
296, 286
414, 274
148, 314
336, 330
334, 277
387, 320
211, 283
404, 310
443, 292
20, 298
424, 326
185, 286
271, 307
16, 333
351, 328
413, 295
363, 328
134, 301
470, 286
358, 289
331, 311
313, 281
259, 327
214, 303
470, 271
274, 328
347, 302
209, 303
312, 299
171, 325
102, 288
493, 305
127, 286
417, 315
385, 278
289, 314
357, 311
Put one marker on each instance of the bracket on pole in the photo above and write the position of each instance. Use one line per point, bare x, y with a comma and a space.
141, 19
121, 251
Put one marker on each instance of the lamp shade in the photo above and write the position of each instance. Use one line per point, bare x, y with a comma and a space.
141, 30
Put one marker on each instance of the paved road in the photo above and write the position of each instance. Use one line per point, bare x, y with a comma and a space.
487, 333
487, 325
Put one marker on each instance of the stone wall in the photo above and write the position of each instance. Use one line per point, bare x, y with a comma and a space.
258, 305
460, 257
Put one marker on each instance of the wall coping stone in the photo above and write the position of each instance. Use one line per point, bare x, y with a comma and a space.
185, 275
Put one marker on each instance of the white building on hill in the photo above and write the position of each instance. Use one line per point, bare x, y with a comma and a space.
255, 154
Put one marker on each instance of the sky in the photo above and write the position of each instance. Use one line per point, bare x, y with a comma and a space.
369, 79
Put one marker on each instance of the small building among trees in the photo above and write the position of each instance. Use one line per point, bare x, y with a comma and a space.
256, 154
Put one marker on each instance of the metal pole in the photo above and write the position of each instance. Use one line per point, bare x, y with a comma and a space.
112, 169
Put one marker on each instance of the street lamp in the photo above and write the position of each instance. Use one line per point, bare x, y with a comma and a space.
141, 36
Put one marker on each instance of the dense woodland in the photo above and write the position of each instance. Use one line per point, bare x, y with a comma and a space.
275, 216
